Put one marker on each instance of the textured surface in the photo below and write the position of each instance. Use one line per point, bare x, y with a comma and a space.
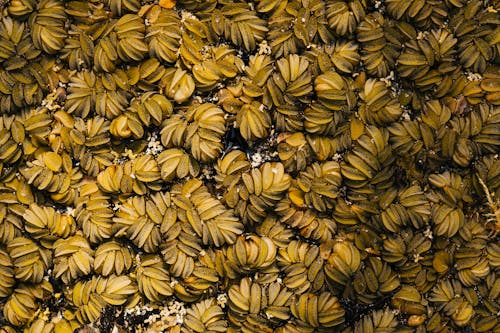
249, 166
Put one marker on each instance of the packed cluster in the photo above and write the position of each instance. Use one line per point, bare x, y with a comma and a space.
290, 166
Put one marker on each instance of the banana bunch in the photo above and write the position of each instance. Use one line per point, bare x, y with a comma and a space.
471, 264
408, 207
251, 303
153, 279
48, 26
342, 263
20, 307
127, 125
302, 264
408, 300
412, 248
120, 7
193, 40
353, 212
380, 43
135, 176
253, 121
204, 132
105, 55
105, 94
87, 140
211, 221
451, 188
73, 258
179, 84
130, 33
331, 90
477, 43
229, 170
252, 253
310, 25
345, 56
325, 147
278, 232
383, 319
149, 109
288, 118
408, 138
493, 253
290, 84
281, 42
30, 261
180, 244
205, 316
12, 32
12, 134
198, 5
42, 326
378, 106
11, 213
317, 186
435, 49
138, 219
203, 279
486, 170
26, 81
369, 162
163, 34
374, 280
53, 173
112, 94
218, 64
259, 190
306, 220
251, 86
488, 136
447, 219
199, 130
78, 51
85, 14
318, 311
238, 24
112, 258
176, 163
448, 295
20, 9
270, 6
7, 274
147, 75
344, 16
81, 98
90, 297
47, 225
491, 88
424, 14
294, 152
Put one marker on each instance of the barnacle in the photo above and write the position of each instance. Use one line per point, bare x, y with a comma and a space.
269, 166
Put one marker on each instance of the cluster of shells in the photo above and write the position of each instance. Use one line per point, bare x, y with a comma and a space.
267, 165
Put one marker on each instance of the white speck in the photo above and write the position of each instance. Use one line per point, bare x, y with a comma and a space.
222, 300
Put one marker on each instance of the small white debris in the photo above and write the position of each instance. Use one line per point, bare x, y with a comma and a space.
222, 300
474, 76
264, 48
256, 160
428, 233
